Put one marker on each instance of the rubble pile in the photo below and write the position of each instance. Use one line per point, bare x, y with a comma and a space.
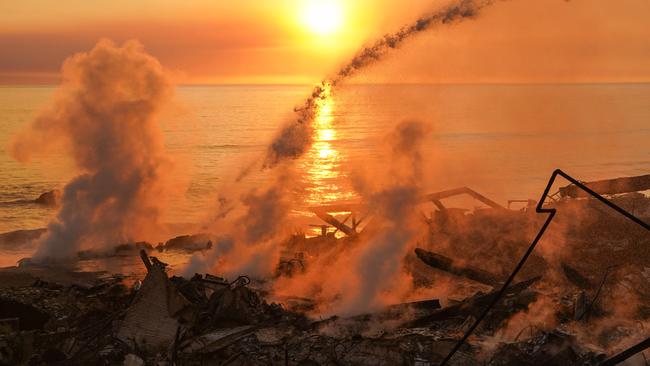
47, 323
51, 316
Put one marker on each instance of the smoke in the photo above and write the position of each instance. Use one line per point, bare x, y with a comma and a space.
376, 266
406, 143
105, 115
592, 281
295, 138
367, 272
264, 212
255, 251
373, 277
248, 227
368, 55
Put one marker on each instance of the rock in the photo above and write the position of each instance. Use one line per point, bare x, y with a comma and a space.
188, 243
20, 239
50, 198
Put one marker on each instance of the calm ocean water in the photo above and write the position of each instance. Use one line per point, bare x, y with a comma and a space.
501, 140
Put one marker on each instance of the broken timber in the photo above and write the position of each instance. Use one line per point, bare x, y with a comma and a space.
576, 278
446, 264
608, 186
470, 306
325, 216
323, 212
436, 197
216, 340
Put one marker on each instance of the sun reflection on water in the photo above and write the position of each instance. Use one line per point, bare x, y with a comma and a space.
322, 165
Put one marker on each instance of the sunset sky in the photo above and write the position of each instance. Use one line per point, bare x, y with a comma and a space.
301, 41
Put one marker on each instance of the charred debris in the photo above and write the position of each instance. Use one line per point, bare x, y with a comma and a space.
52, 316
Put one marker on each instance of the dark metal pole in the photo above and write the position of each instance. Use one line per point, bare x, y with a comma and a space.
640, 347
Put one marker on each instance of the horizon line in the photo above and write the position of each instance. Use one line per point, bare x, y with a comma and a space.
474, 83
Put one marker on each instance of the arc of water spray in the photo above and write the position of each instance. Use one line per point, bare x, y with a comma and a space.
296, 138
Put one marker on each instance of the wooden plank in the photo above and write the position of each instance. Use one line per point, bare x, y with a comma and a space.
446, 264
608, 186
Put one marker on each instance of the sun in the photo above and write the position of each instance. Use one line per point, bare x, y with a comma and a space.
322, 17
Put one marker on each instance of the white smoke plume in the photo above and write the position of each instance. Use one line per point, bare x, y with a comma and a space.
105, 114
248, 228
370, 273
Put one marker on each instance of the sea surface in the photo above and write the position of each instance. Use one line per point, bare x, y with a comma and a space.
501, 140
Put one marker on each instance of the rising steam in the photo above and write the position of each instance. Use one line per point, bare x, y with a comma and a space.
248, 228
104, 113
295, 138
370, 273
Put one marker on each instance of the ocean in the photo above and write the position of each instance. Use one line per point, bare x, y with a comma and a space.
501, 140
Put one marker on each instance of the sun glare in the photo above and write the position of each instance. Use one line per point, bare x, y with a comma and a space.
322, 17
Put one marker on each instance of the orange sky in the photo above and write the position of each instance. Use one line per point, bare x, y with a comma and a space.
267, 41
